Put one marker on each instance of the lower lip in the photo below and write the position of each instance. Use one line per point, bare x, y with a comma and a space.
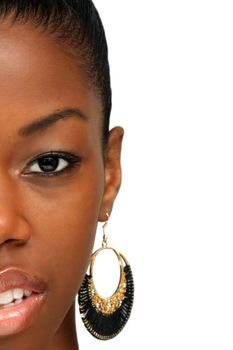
17, 318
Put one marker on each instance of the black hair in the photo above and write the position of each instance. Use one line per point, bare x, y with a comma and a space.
77, 24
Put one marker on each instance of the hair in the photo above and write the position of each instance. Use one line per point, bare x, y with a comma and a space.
77, 24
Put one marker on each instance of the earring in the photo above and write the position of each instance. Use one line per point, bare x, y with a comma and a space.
104, 318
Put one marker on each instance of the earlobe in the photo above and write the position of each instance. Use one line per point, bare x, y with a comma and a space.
112, 171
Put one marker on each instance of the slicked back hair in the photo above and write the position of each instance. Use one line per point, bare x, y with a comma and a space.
77, 24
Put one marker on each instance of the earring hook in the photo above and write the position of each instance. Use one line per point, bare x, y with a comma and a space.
105, 237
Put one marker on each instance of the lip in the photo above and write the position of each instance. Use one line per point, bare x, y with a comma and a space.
16, 318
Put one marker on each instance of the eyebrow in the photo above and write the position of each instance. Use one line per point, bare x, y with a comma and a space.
47, 121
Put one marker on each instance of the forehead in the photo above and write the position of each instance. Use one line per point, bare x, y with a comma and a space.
37, 77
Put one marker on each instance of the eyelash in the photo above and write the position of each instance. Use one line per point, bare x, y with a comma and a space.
71, 159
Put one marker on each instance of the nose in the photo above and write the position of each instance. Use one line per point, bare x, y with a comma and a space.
14, 227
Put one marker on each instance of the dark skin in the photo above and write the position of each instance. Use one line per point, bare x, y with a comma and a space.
48, 223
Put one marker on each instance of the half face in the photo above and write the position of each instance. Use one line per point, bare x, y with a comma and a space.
55, 183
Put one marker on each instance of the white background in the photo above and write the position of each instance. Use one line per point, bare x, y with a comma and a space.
172, 79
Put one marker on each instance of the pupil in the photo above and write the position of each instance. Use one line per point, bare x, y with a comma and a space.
48, 163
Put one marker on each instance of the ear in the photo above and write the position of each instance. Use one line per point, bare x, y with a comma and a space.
112, 171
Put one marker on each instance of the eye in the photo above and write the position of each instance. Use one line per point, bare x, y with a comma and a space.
51, 164
48, 164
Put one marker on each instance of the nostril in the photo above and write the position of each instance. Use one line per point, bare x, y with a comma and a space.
9, 240
14, 241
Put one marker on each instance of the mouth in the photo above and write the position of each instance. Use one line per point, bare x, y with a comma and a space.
21, 298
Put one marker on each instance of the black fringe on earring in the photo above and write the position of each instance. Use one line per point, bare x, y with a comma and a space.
100, 325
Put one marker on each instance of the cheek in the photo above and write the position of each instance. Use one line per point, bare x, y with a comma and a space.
63, 221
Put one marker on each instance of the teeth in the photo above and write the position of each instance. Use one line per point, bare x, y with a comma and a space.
6, 297
27, 293
17, 294
16, 302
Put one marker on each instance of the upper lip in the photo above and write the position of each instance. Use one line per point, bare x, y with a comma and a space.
11, 278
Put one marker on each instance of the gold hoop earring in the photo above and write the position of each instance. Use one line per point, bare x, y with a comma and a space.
104, 318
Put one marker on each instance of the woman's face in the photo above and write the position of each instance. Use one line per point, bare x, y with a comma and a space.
49, 207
